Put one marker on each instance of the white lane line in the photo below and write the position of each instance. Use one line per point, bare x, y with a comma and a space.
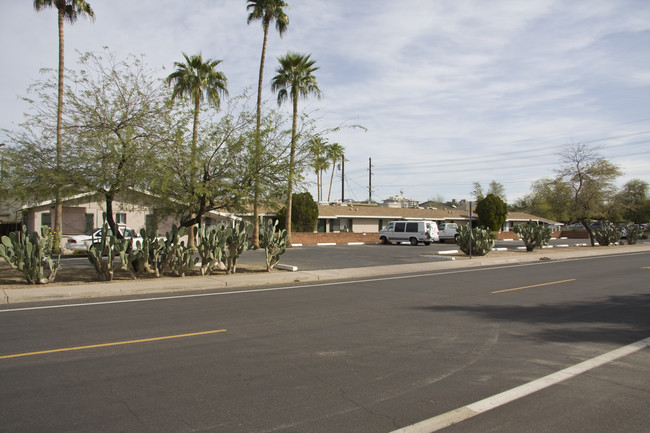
471, 410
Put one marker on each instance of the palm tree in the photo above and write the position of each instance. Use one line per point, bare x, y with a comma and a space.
319, 162
66, 10
334, 154
294, 79
198, 80
266, 11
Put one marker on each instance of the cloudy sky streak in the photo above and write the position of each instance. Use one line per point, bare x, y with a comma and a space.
451, 92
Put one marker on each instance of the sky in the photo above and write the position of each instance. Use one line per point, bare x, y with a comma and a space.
450, 92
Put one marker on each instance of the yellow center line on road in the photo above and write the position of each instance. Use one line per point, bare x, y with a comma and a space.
534, 285
117, 343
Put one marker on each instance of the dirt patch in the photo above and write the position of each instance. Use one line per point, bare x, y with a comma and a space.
13, 279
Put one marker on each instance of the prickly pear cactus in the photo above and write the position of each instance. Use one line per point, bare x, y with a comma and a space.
101, 253
152, 252
633, 233
607, 234
274, 243
482, 240
533, 235
211, 247
236, 243
177, 257
29, 254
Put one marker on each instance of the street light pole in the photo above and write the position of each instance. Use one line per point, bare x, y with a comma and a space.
2, 164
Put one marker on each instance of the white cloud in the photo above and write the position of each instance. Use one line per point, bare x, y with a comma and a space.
475, 84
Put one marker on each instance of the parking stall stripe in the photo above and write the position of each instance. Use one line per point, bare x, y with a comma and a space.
471, 410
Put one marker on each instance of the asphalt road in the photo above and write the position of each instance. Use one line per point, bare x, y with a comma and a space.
355, 356
312, 257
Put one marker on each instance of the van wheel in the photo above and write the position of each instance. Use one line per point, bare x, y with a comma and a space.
427, 243
456, 238
384, 240
414, 241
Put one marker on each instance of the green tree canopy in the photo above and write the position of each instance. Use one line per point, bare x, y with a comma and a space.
492, 212
114, 119
304, 213
590, 179
633, 202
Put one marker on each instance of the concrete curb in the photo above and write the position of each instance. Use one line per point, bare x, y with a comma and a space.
166, 286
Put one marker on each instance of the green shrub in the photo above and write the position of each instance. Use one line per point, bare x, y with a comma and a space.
533, 235
482, 240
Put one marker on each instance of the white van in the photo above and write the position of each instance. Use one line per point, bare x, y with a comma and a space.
409, 231
448, 231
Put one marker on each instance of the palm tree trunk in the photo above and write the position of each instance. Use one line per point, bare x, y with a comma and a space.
292, 158
258, 144
58, 218
329, 193
193, 169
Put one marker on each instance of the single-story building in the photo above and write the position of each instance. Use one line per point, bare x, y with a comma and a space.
84, 212
371, 219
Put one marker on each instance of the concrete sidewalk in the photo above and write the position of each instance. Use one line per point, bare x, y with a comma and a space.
170, 285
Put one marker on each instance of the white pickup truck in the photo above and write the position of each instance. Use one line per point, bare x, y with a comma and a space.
448, 231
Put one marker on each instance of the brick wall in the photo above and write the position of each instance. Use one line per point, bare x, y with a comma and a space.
337, 238
373, 238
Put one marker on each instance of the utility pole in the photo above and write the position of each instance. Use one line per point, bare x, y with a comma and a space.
343, 179
369, 180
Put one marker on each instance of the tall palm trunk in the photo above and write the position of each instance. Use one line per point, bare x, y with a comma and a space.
292, 158
191, 243
258, 144
329, 193
58, 213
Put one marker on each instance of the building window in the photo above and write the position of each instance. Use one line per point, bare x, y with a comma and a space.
335, 226
46, 219
321, 226
90, 222
150, 223
120, 218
